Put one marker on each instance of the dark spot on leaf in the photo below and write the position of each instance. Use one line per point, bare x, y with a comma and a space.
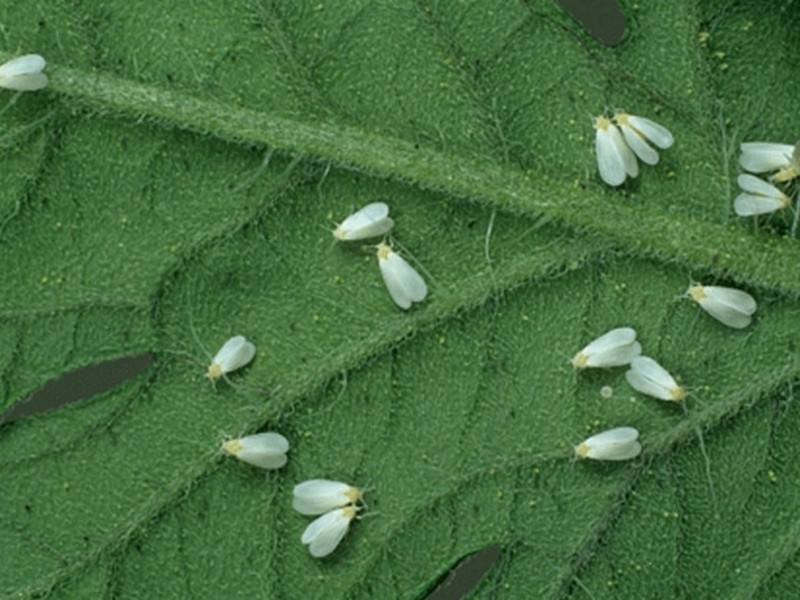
77, 385
602, 19
466, 575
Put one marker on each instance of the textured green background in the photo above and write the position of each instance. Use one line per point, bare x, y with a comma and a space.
176, 185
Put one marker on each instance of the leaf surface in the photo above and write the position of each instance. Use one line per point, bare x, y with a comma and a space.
177, 183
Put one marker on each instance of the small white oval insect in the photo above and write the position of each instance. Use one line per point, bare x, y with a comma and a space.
760, 157
405, 285
649, 377
759, 198
612, 349
234, 354
23, 73
265, 450
615, 444
615, 161
638, 130
324, 533
730, 306
371, 221
316, 496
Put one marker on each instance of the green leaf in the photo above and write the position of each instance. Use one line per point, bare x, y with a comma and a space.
176, 184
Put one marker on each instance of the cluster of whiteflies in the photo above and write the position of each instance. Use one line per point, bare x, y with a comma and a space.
616, 348
23, 73
265, 450
624, 138
338, 501
619, 347
619, 141
761, 197
405, 285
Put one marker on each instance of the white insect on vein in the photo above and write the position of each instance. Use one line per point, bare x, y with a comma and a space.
324, 533
619, 443
234, 354
371, 221
615, 161
405, 285
266, 450
612, 349
316, 496
23, 73
730, 306
758, 197
649, 377
637, 131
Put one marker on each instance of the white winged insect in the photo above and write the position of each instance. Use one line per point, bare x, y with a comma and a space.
234, 354
637, 131
265, 450
730, 306
405, 285
371, 221
324, 533
762, 157
758, 197
23, 73
649, 377
612, 349
615, 161
316, 496
615, 444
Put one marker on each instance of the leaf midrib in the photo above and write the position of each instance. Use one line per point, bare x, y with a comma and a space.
759, 260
